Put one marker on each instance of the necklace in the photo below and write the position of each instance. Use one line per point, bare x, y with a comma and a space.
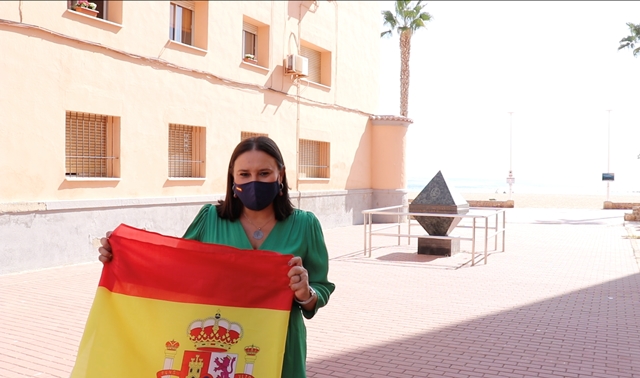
257, 234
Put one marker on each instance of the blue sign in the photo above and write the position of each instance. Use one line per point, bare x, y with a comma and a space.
607, 176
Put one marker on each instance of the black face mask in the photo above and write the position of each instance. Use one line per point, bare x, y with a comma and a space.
257, 195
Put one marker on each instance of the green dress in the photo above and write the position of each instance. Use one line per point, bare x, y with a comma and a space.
299, 235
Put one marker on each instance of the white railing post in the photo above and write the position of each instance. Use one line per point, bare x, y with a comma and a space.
364, 223
473, 243
486, 239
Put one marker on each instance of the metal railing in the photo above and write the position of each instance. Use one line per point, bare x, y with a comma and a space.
476, 215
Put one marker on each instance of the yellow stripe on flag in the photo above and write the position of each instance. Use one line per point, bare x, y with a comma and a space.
119, 322
151, 318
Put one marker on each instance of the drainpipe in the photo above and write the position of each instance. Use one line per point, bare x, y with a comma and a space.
297, 83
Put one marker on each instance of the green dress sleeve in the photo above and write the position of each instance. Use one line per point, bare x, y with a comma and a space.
197, 228
316, 262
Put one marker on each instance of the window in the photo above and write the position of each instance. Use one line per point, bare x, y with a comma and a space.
246, 135
92, 145
186, 151
107, 10
314, 159
181, 25
249, 39
255, 41
319, 64
314, 62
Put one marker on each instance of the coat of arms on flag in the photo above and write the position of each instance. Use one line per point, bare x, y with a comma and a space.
213, 338
168, 307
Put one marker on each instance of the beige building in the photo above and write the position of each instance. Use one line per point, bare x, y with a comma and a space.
129, 115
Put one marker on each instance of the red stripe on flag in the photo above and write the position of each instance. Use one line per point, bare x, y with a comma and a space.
151, 265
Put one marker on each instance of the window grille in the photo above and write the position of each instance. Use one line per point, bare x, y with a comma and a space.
88, 150
249, 39
314, 57
314, 159
186, 151
181, 23
246, 135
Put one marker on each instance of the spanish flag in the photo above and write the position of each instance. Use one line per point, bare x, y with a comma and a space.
169, 307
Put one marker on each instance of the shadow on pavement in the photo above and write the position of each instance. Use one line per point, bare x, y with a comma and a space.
594, 332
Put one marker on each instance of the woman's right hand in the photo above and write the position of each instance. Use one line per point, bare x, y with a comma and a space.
105, 250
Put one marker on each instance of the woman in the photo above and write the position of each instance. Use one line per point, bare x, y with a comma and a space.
257, 213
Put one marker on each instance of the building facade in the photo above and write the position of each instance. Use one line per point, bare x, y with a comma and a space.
129, 115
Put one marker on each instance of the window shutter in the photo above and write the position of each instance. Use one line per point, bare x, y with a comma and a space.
248, 134
186, 151
86, 145
186, 4
250, 28
313, 159
314, 63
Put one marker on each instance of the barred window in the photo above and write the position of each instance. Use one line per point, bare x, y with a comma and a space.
246, 135
91, 145
186, 151
314, 159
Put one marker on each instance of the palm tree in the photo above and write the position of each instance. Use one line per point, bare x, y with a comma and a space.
406, 20
632, 40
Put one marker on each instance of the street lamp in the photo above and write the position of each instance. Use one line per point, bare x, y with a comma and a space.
510, 179
608, 149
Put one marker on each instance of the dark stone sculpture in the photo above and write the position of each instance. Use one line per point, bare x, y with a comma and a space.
437, 197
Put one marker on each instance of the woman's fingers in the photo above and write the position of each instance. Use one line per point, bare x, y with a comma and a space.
298, 271
105, 241
105, 250
298, 278
296, 261
105, 256
105, 244
299, 281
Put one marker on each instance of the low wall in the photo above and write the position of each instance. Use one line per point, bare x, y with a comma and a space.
634, 216
620, 205
41, 235
500, 204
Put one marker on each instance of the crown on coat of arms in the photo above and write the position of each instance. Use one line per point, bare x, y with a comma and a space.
251, 350
214, 334
172, 345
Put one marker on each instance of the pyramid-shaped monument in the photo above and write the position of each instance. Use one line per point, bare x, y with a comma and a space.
438, 197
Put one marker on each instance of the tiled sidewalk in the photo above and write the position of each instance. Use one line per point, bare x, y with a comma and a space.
562, 301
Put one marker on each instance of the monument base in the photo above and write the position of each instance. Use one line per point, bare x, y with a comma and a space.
439, 247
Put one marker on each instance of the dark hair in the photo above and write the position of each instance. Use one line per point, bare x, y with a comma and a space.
231, 207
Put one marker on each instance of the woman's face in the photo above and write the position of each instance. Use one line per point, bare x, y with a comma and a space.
255, 165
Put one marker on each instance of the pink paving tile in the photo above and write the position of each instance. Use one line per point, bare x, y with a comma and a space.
562, 301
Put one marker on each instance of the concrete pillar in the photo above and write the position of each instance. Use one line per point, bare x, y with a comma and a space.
388, 163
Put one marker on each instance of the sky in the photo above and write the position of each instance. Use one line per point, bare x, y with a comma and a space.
554, 65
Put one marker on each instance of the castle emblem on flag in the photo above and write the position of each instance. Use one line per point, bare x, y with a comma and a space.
213, 339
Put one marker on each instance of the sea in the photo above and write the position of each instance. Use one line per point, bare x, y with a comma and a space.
491, 185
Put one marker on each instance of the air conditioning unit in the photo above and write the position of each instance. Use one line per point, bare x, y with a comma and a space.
296, 65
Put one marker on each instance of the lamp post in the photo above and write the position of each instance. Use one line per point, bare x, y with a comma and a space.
510, 179
608, 149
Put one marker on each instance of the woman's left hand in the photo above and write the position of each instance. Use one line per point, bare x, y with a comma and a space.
299, 280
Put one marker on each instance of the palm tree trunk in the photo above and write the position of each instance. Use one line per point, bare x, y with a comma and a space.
405, 52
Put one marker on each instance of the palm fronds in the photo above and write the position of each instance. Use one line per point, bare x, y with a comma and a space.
632, 40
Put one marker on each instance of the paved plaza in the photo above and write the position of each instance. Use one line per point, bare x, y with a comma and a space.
562, 300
